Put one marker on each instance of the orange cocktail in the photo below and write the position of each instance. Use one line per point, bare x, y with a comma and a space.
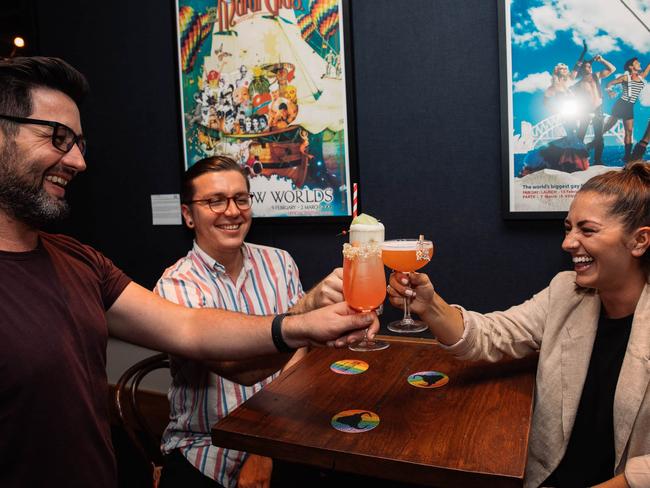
407, 255
364, 281
402, 256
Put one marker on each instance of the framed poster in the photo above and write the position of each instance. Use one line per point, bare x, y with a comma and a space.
562, 75
268, 83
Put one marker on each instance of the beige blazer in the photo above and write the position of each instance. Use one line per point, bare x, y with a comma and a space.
560, 322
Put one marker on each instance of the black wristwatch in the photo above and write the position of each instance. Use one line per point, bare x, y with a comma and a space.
276, 334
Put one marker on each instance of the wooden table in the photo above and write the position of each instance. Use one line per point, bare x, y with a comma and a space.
471, 432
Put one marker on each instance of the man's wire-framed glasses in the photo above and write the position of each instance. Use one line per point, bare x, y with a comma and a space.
219, 203
63, 137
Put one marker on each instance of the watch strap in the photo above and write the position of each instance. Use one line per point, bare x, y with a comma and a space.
276, 334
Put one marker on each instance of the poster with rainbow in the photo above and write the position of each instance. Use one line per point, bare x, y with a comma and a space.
264, 82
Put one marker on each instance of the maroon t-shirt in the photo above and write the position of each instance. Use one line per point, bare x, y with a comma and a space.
54, 428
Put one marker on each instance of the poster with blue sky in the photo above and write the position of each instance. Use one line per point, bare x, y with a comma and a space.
576, 97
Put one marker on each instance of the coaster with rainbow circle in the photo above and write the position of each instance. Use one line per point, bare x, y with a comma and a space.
355, 421
428, 379
349, 366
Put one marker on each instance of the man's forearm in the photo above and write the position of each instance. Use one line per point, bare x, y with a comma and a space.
140, 317
143, 318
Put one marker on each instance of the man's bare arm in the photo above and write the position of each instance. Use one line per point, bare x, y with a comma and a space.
141, 317
609, 67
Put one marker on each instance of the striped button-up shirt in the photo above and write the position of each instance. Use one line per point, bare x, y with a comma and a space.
267, 284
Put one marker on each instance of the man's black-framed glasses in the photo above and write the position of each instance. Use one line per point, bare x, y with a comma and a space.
219, 203
63, 137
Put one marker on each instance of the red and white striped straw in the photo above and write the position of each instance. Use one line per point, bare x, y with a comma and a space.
354, 200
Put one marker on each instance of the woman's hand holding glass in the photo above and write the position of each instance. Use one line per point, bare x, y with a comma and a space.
407, 255
415, 287
444, 321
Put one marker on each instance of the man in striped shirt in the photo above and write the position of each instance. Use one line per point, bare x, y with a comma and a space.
223, 271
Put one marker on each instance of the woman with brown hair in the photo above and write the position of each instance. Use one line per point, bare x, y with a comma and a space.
591, 329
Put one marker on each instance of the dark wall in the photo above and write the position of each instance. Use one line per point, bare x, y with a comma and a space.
427, 96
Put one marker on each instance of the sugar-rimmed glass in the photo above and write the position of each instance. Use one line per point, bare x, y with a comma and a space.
407, 255
364, 284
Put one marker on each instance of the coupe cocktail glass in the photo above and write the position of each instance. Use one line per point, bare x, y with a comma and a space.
407, 255
364, 284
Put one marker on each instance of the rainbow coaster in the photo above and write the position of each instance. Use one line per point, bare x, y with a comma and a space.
349, 366
355, 421
428, 379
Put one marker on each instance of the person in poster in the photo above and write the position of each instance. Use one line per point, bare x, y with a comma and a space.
547, 165
590, 92
633, 82
262, 83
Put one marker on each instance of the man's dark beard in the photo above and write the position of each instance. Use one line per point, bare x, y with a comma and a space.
23, 198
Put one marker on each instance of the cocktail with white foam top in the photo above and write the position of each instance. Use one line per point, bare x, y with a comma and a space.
364, 280
366, 233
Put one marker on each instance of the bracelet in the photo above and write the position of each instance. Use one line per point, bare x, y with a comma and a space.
276, 334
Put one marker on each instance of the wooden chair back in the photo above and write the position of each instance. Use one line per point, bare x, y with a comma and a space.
144, 430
